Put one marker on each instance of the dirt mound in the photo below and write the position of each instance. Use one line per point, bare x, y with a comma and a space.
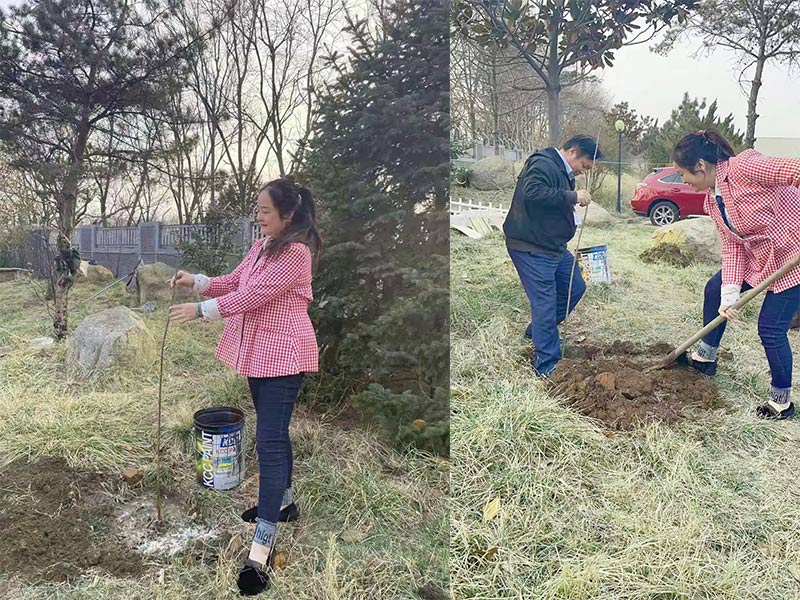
609, 383
669, 254
57, 523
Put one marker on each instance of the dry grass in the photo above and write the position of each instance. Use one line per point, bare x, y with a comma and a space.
346, 481
704, 510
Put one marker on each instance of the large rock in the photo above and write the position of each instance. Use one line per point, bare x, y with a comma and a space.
597, 216
696, 239
12, 274
113, 336
99, 274
494, 173
153, 286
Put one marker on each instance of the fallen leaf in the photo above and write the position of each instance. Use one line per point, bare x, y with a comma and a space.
763, 548
353, 536
491, 509
280, 561
490, 553
419, 424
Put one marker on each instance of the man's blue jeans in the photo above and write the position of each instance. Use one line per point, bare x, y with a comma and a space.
545, 278
773, 325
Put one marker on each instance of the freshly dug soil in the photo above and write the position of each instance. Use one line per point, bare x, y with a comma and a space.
669, 254
609, 384
58, 523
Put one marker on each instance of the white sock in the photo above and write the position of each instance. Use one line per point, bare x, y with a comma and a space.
259, 553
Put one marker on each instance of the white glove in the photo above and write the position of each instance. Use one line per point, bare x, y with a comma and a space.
201, 283
729, 294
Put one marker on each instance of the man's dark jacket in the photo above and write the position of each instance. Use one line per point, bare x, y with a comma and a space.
541, 215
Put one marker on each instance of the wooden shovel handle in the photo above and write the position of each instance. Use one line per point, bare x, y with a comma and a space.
744, 299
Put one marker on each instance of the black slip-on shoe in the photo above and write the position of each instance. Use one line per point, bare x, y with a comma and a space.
706, 368
253, 577
289, 514
767, 411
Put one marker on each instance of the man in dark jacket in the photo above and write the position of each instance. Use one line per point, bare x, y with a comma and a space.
541, 221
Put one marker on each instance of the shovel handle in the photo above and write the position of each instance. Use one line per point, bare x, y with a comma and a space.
744, 299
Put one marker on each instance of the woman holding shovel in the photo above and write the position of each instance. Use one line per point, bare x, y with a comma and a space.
268, 337
755, 203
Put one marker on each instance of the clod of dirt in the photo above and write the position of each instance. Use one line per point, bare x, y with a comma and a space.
669, 254
57, 523
132, 476
614, 388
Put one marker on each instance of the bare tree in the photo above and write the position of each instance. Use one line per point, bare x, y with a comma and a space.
758, 31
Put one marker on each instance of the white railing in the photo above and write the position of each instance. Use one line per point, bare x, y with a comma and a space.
117, 236
256, 233
461, 205
172, 235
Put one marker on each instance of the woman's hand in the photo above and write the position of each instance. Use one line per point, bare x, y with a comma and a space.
182, 278
728, 312
183, 313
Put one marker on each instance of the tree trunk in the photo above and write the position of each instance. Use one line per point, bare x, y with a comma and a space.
752, 101
553, 85
495, 102
554, 113
67, 260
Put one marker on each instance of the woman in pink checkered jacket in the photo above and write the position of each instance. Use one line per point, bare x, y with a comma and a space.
755, 205
268, 337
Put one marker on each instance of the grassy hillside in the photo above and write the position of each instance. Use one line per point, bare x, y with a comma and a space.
703, 509
374, 522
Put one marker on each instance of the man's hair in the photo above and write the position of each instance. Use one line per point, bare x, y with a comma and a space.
586, 145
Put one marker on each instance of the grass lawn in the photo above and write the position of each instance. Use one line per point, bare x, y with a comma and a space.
374, 521
705, 509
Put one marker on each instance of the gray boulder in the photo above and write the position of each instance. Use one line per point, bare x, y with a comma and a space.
99, 274
696, 239
153, 287
110, 337
494, 173
597, 216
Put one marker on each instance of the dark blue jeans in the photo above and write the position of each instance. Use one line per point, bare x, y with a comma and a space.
273, 398
545, 278
773, 325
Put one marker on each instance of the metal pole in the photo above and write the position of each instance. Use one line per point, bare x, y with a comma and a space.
619, 174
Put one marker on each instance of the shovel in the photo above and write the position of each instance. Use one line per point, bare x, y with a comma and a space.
744, 299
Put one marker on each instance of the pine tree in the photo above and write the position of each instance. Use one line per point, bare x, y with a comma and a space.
379, 165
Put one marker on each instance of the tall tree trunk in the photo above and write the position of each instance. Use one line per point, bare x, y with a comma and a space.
752, 101
67, 259
554, 88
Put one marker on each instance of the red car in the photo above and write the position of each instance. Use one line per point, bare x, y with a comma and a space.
664, 198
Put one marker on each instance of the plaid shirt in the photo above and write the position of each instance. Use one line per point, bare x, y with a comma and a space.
762, 201
264, 303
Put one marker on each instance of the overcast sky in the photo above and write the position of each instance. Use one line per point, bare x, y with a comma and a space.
654, 85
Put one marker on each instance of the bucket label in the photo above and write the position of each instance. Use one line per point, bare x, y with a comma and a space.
220, 459
594, 265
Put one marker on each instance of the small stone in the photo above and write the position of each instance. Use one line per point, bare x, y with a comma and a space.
42, 344
132, 476
353, 536
148, 307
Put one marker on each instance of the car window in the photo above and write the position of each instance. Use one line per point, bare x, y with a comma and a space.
674, 178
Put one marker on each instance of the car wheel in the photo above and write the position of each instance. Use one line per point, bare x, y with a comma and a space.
663, 213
